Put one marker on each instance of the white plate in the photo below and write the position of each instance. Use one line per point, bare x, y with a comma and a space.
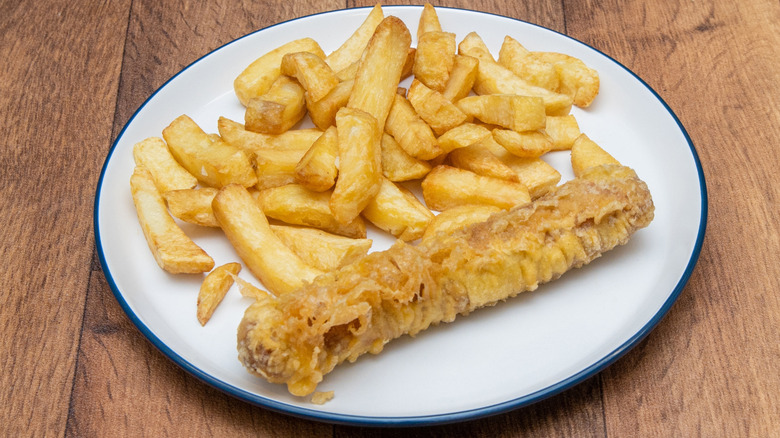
495, 359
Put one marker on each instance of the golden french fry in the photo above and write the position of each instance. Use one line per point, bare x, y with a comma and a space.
296, 205
434, 59
494, 78
360, 168
153, 154
257, 78
277, 167
577, 80
247, 229
380, 69
352, 49
410, 131
312, 73
520, 113
323, 112
173, 250
563, 130
536, 174
429, 21
192, 205
214, 288
462, 136
482, 162
397, 165
446, 187
438, 112
278, 110
461, 79
214, 163
397, 211
585, 153
324, 251
317, 169
458, 217
529, 144
526, 66
408, 68
249, 290
235, 134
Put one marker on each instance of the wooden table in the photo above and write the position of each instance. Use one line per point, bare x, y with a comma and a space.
73, 72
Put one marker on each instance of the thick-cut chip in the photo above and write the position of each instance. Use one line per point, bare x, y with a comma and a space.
563, 130
323, 112
536, 174
214, 163
462, 77
214, 288
235, 134
277, 167
440, 114
317, 169
434, 59
296, 205
586, 153
458, 217
446, 187
245, 225
311, 71
528, 144
278, 110
257, 78
577, 80
352, 49
397, 165
173, 250
408, 68
429, 21
397, 211
521, 113
482, 162
521, 62
324, 251
193, 205
462, 136
153, 154
410, 131
494, 78
380, 69
360, 167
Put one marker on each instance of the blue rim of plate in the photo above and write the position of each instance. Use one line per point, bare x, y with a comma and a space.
453, 417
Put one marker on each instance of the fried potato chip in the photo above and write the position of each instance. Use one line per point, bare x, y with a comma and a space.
360, 168
563, 130
258, 76
352, 49
434, 59
438, 112
526, 66
312, 73
323, 112
577, 80
192, 205
235, 134
458, 217
296, 205
278, 110
247, 229
536, 174
462, 77
399, 166
173, 250
410, 131
586, 153
529, 144
380, 69
153, 154
214, 163
320, 249
317, 169
482, 162
277, 167
462, 136
397, 211
429, 21
214, 288
520, 113
446, 187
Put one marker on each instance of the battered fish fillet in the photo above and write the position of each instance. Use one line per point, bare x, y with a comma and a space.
299, 337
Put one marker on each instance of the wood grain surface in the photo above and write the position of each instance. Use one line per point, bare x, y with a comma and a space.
72, 74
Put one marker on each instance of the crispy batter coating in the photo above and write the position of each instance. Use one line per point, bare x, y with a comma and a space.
299, 337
